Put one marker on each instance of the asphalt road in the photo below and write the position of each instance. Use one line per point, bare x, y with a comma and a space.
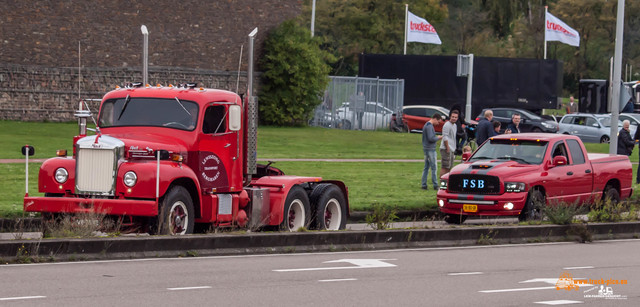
513, 275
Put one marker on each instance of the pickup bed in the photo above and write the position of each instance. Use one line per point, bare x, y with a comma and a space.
518, 174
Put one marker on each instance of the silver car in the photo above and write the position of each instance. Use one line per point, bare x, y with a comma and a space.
370, 116
593, 128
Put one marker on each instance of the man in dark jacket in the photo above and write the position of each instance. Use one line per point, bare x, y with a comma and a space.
485, 128
625, 142
636, 138
514, 126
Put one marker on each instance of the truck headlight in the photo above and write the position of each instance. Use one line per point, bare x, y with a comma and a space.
130, 179
61, 175
514, 187
443, 184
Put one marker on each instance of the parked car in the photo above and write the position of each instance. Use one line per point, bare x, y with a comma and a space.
374, 115
529, 122
588, 127
414, 117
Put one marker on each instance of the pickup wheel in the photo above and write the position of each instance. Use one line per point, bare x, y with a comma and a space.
177, 215
533, 208
455, 219
611, 195
296, 213
329, 207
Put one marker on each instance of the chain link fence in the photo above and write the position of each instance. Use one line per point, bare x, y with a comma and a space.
356, 103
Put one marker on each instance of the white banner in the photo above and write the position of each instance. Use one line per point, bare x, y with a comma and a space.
556, 30
420, 30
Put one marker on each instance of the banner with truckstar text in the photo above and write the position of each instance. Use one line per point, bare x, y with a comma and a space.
556, 30
420, 30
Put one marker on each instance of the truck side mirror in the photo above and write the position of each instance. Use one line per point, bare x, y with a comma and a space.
235, 117
466, 156
559, 160
29, 149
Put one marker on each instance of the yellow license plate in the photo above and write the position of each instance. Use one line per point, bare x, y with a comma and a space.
470, 208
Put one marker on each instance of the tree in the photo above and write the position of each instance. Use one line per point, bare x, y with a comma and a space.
294, 76
348, 28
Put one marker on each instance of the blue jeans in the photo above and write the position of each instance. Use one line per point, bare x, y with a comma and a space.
430, 161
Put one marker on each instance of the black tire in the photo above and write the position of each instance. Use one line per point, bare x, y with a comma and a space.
604, 139
329, 208
296, 212
611, 195
533, 207
176, 215
455, 219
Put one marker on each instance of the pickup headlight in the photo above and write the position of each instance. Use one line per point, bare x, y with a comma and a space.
61, 175
514, 187
443, 184
130, 179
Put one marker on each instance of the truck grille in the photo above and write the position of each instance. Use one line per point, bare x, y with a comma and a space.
473, 184
95, 169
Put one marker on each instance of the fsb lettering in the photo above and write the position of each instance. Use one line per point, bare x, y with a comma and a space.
473, 183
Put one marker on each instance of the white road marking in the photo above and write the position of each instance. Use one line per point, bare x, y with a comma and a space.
559, 302
189, 288
20, 298
344, 279
516, 289
578, 268
359, 264
467, 273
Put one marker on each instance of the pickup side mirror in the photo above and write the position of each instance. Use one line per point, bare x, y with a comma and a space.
559, 160
466, 156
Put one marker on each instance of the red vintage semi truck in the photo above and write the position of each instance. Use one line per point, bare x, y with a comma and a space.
519, 174
169, 157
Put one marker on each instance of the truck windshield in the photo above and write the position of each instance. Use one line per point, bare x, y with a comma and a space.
521, 151
159, 112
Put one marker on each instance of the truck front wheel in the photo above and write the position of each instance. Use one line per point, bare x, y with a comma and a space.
296, 210
330, 207
177, 215
533, 207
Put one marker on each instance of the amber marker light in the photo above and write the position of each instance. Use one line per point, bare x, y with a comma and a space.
61, 152
176, 158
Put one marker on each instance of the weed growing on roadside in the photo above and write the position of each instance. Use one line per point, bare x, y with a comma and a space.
487, 239
381, 216
613, 212
562, 213
79, 225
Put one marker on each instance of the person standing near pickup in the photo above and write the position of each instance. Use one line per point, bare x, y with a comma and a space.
448, 144
429, 140
625, 142
485, 128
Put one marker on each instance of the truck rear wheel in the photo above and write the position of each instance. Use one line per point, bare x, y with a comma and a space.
177, 215
611, 195
329, 207
296, 213
533, 207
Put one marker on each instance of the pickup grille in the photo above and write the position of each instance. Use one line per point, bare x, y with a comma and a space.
474, 184
95, 169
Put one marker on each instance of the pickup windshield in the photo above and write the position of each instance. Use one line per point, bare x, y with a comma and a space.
158, 112
521, 151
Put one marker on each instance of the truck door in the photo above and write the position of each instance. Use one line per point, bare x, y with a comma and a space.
220, 165
568, 183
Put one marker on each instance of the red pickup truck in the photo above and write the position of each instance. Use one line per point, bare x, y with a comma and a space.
518, 174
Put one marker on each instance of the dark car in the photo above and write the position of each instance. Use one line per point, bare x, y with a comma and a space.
530, 122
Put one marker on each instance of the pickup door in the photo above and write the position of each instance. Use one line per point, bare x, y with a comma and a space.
571, 183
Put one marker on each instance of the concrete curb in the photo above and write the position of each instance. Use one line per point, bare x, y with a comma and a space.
267, 243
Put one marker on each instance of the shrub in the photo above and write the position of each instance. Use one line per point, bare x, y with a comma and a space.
562, 214
381, 216
295, 74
